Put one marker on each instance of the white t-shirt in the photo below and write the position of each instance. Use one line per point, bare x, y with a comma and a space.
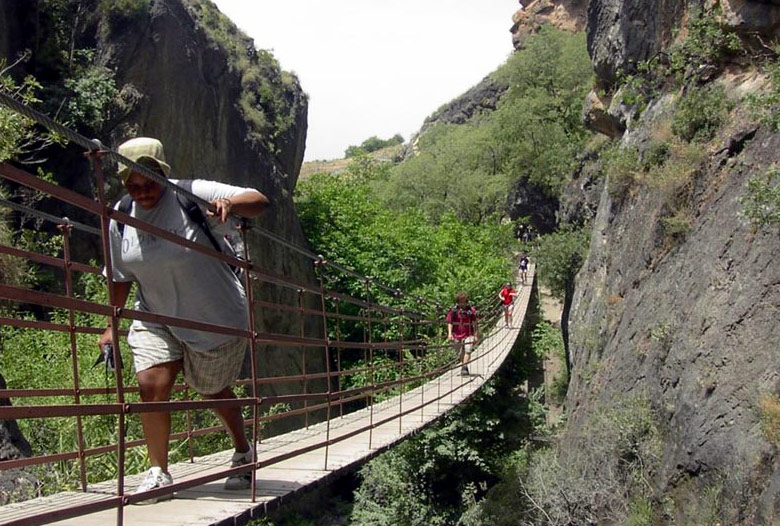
174, 280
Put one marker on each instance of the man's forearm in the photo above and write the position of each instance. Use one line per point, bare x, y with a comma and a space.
121, 292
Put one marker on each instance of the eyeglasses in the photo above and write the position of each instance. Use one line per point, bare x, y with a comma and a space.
136, 188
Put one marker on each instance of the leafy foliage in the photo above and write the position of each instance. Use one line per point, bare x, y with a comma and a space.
270, 98
118, 11
533, 136
761, 202
91, 94
601, 475
434, 477
706, 45
700, 113
547, 341
372, 144
560, 256
765, 104
20, 140
343, 218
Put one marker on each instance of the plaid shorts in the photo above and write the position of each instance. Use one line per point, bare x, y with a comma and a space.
464, 346
207, 372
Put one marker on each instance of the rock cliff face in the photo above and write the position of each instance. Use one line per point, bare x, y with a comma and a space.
182, 87
482, 97
569, 15
690, 324
687, 321
624, 32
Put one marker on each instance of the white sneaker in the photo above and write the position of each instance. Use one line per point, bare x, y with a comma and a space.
241, 480
155, 478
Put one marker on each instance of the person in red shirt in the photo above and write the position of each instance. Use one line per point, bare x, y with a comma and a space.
462, 329
507, 296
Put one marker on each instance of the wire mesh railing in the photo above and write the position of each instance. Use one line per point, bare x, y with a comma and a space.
359, 351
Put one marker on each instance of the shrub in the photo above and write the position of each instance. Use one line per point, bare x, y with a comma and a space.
623, 167
90, 95
700, 113
761, 202
548, 343
559, 257
600, 477
373, 144
769, 409
764, 105
20, 140
117, 11
676, 226
707, 45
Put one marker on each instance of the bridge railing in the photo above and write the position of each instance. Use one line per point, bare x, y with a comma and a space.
361, 349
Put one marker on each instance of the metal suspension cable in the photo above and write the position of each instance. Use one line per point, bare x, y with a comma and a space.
49, 217
94, 145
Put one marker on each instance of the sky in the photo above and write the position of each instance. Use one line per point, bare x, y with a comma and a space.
377, 67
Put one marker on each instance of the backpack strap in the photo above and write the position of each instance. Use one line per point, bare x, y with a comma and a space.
191, 208
125, 206
195, 214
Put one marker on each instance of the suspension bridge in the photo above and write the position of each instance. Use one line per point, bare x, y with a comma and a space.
374, 368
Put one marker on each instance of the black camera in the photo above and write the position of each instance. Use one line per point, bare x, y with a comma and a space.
107, 355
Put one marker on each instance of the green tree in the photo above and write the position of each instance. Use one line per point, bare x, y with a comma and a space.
532, 137
560, 256
372, 144
342, 217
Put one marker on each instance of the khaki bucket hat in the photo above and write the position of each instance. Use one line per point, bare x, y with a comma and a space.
144, 151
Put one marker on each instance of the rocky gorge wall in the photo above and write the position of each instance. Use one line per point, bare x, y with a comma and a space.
179, 84
688, 322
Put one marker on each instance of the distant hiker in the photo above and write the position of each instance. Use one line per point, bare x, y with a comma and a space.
507, 296
462, 329
523, 267
177, 281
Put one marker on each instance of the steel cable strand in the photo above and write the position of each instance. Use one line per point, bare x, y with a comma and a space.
96, 147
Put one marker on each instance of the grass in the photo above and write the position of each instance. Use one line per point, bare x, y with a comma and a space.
335, 166
769, 411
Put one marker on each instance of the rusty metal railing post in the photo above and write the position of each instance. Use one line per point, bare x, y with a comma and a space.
95, 156
338, 357
320, 267
303, 361
74, 355
250, 302
369, 340
437, 338
190, 437
422, 356
401, 365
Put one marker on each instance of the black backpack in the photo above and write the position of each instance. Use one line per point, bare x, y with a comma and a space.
469, 311
194, 213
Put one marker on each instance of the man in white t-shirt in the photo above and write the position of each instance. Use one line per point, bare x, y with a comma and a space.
176, 281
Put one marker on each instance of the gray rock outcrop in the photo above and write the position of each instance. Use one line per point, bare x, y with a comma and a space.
688, 321
569, 15
482, 97
685, 318
624, 32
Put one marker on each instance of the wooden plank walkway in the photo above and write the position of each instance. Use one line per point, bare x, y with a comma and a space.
286, 479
